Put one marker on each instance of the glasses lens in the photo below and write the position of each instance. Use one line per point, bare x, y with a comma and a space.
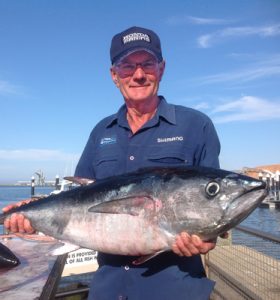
126, 69
149, 66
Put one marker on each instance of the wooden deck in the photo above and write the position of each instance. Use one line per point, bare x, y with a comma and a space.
243, 273
36, 277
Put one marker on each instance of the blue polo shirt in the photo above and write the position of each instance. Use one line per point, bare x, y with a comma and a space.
176, 135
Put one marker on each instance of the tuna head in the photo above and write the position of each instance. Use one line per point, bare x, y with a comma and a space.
239, 196
214, 201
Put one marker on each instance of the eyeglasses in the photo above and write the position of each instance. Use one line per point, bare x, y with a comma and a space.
128, 69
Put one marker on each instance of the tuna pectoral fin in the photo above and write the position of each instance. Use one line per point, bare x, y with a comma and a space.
145, 258
7, 258
66, 248
129, 205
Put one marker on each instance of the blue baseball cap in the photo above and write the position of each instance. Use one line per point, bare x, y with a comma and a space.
135, 39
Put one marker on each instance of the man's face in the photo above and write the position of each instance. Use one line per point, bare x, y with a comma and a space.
138, 76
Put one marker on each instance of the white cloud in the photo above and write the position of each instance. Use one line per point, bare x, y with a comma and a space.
208, 40
8, 88
246, 108
201, 106
37, 155
206, 21
21, 164
183, 19
265, 68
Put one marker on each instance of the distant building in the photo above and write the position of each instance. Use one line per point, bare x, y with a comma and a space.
262, 171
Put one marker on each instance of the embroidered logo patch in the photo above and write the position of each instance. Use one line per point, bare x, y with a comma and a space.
136, 37
170, 139
108, 141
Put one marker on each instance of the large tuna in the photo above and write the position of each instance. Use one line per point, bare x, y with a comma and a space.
140, 213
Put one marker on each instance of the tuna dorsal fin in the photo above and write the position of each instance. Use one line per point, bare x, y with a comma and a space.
128, 205
79, 180
145, 258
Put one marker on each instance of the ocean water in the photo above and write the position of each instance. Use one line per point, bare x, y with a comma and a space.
11, 194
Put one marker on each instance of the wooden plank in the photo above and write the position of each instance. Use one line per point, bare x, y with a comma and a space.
249, 270
36, 277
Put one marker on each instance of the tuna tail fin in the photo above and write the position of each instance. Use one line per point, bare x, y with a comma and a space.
7, 258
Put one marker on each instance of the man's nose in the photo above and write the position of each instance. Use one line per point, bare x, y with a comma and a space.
139, 72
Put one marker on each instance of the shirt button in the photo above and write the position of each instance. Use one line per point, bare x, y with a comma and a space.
126, 267
131, 157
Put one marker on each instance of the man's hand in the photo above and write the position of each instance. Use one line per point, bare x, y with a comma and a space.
186, 245
17, 222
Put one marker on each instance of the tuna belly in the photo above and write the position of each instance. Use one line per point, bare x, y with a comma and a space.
118, 234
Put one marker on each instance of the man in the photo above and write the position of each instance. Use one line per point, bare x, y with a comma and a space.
146, 131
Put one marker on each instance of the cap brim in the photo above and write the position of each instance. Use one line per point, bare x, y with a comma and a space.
125, 54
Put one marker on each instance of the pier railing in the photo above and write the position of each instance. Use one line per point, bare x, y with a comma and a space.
245, 266
272, 180
273, 185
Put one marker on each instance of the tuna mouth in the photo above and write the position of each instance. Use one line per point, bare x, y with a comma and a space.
256, 186
254, 191
247, 200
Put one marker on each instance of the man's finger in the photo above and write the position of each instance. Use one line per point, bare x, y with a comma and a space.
27, 226
7, 223
13, 223
8, 207
179, 247
20, 223
185, 245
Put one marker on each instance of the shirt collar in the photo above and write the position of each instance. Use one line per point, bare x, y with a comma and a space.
165, 111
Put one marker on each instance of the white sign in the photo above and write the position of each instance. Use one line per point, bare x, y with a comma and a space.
80, 261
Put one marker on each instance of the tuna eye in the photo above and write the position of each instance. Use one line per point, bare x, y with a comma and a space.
212, 189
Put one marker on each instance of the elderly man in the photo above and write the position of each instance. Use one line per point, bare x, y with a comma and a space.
147, 131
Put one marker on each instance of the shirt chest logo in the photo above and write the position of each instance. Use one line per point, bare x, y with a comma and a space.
170, 139
108, 141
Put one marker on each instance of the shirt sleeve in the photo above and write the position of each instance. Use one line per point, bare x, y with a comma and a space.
85, 165
208, 154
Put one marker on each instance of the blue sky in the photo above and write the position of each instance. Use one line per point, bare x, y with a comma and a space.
222, 57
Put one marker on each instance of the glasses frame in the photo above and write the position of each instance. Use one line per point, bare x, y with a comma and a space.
126, 69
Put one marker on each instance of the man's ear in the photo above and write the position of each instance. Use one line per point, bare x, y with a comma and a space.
114, 76
161, 69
